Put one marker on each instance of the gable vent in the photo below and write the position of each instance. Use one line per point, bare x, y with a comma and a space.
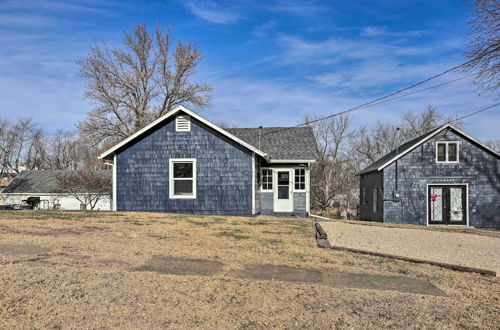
182, 124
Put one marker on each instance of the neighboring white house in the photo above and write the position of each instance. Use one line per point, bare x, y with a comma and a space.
36, 189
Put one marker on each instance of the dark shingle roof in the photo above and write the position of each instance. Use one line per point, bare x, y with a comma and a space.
280, 143
36, 182
402, 148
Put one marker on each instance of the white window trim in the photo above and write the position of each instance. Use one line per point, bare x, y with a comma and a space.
305, 180
188, 120
446, 152
171, 162
375, 200
262, 179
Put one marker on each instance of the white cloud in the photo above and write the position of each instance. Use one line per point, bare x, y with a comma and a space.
213, 12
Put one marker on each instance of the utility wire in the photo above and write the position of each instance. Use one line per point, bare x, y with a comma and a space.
378, 100
474, 113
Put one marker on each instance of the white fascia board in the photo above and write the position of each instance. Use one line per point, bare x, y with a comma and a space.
190, 113
278, 161
434, 134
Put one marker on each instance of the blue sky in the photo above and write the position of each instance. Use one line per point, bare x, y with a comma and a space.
269, 62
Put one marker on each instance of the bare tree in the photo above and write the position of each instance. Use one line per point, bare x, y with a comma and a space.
368, 145
88, 186
133, 85
494, 144
332, 174
484, 45
14, 142
416, 124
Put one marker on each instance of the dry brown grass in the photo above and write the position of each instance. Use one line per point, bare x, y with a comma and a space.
86, 278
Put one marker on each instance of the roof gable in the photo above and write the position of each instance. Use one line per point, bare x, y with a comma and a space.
407, 147
108, 153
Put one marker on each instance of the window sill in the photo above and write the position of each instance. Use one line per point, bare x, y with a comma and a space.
182, 197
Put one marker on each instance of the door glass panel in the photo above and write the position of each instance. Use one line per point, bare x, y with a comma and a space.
284, 185
283, 178
456, 204
436, 200
283, 192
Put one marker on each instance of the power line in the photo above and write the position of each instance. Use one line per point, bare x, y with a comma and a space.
383, 98
474, 113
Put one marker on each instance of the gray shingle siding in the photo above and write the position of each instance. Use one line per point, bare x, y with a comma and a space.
299, 204
224, 172
477, 168
266, 206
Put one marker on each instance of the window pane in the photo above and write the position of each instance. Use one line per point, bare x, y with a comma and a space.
283, 192
183, 187
300, 179
183, 170
441, 152
267, 179
452, 152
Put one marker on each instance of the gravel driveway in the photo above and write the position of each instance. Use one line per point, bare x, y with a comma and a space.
449, 247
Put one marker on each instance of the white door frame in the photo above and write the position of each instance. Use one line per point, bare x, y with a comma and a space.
447, 184
281, 205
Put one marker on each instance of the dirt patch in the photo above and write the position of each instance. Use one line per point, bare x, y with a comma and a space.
381, 282
278, 273
11, 249
181, 266
337, 279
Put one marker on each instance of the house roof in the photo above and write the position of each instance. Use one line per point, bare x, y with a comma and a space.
406, 147
280, 143
291, 144
37, 182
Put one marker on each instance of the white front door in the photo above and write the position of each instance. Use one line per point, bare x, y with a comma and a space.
283, 194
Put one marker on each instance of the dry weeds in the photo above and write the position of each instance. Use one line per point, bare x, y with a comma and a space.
87, 275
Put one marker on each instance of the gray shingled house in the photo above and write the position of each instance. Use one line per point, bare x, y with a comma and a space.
38, 190
444, 177
183, 163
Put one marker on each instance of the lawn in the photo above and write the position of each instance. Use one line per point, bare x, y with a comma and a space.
104, 270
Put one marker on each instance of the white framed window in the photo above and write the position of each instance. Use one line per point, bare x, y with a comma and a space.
447, 152
267, 179
182, 124
300, 179
182, 178
375, 200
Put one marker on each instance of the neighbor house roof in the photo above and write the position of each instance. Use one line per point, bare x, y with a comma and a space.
37, 182
406, 147
280, 143
290, 144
